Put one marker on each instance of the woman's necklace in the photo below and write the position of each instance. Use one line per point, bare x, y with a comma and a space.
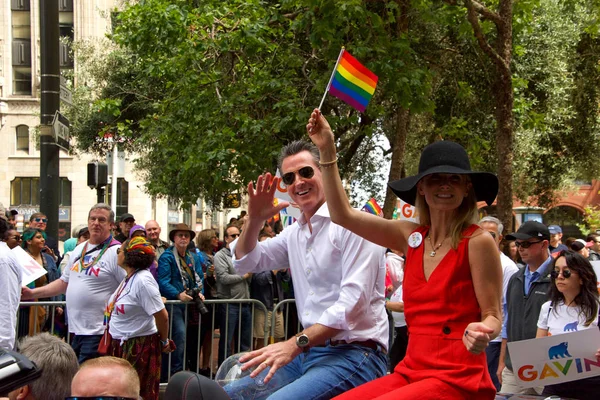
435, 248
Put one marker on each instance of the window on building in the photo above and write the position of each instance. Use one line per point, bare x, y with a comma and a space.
23, 138
19, 5
66, 41
26, 191
65, 5
21, 47
122, 196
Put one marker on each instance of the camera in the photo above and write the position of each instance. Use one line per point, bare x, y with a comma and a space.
195, 295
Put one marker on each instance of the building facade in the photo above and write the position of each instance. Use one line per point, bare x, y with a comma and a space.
19, 120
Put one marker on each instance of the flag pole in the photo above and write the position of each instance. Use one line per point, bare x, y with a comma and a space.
331, 78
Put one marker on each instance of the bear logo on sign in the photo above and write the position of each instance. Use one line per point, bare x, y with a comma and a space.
559, 351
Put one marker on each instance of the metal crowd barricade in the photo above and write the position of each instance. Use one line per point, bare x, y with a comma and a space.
285, 306
50, 308
214, 303
290, 317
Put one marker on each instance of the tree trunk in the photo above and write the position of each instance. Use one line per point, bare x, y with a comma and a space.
398, 150
504, 116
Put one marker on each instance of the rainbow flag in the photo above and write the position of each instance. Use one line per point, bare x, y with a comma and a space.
373, 208
352, 82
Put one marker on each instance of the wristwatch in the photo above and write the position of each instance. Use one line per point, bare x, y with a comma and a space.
164, 342
302, 341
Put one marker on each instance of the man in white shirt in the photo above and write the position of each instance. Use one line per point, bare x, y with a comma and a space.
90, 278
338, 285
10, 287
492, 352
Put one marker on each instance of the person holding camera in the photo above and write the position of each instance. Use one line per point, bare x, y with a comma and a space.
231, 285
180, 277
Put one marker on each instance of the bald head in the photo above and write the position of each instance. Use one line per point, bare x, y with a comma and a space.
153, 231
106, 376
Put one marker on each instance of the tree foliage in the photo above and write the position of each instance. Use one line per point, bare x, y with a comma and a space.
207, 92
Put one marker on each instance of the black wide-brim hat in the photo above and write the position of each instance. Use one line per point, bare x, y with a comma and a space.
445, 157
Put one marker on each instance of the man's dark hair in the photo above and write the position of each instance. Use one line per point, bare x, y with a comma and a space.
592, 237
231, 226
296, 147
3, 227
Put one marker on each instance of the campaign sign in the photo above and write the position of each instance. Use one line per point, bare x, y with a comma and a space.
30, 269
556, 359
406, 212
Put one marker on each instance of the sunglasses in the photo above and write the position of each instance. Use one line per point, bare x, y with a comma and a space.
566, 273
493, 234
44, 220
304, 172
234, 235
16, 237
527, 245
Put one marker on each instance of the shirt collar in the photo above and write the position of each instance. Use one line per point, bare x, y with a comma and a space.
323, 211
541, 271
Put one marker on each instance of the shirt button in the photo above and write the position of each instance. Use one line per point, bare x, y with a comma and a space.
446, 330
308, 271
311, 292
309, 249
306, 313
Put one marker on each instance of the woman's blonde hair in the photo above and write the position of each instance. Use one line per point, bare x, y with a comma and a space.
204, 238
466, 215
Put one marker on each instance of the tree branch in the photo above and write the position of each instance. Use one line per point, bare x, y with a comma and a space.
487, 13
485, 46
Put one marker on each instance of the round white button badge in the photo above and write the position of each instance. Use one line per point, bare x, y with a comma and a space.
415, 240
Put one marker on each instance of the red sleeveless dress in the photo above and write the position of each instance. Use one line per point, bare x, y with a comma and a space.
437, 364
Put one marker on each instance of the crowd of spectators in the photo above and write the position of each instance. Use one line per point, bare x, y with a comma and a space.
534, 260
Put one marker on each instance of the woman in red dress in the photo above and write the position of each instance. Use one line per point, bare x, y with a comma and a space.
452, 278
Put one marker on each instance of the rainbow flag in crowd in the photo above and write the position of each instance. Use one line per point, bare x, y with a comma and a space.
373, 208
352, 82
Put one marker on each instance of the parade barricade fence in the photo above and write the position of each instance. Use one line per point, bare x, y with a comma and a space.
36, 316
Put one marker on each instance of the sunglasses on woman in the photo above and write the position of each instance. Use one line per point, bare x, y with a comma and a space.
527, 245
566, 273
304, 172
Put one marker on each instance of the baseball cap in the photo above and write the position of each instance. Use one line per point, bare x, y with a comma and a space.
530, 230
125, 217
554, 229
580, 244
82, 232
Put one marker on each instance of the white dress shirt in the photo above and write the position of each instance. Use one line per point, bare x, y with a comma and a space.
10, 288
338, 276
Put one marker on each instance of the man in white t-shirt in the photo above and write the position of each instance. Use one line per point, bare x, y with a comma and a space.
10, 283
90, 278
495, 228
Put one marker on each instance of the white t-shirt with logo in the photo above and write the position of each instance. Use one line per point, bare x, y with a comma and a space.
562, 319
88, 290
133, 314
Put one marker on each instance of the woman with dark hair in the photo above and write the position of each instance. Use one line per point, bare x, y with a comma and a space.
207, 241
510, 250
573, 306
34, 242
452, 276
137, 319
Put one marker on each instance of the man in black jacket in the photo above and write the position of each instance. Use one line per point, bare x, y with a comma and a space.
527, 290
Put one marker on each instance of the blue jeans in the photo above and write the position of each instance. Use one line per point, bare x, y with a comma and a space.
177, 313
86, 347
322, 373
492, 353
230, 315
